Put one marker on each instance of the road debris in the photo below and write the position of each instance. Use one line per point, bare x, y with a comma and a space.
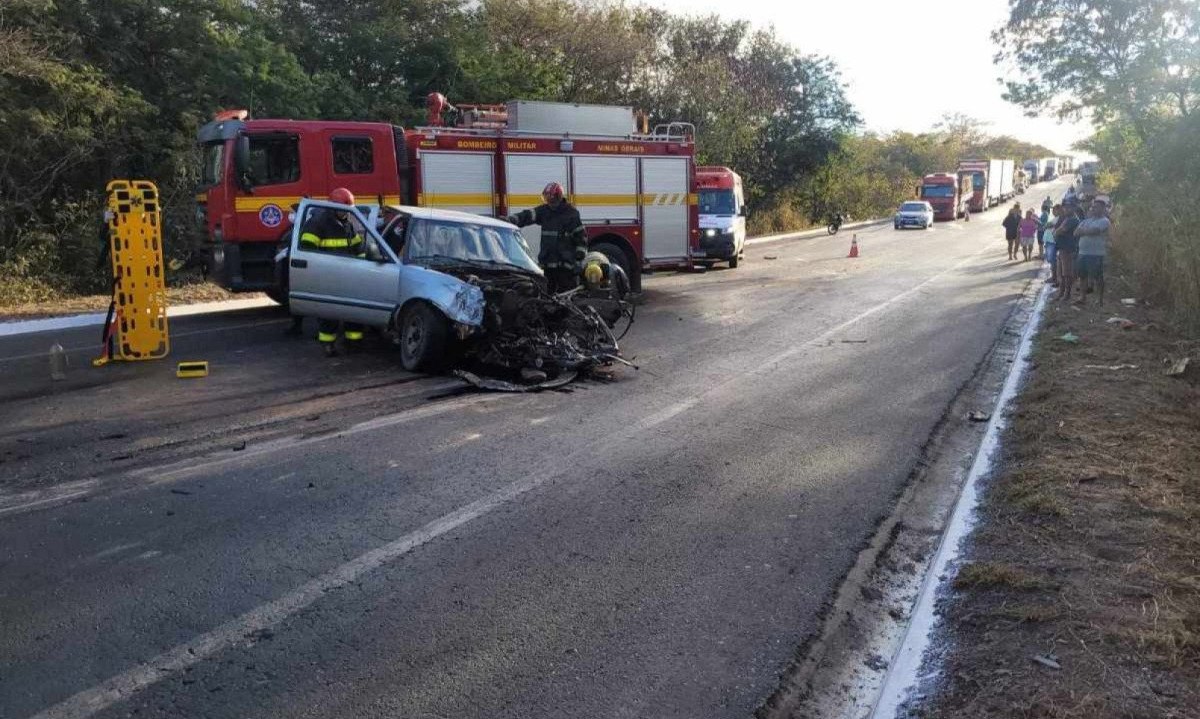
1112, 367
770, 257
1179, 368
1070, 337
1050, 661
1124, 323
978, 416
534, 340
1129, 301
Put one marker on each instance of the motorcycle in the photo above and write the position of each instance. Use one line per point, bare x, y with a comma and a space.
835, 223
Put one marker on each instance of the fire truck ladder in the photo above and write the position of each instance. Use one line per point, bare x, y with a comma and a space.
139, 303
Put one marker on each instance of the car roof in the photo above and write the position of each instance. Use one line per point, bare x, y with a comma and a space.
434, 213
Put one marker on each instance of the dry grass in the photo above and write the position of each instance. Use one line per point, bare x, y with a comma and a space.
1088, 546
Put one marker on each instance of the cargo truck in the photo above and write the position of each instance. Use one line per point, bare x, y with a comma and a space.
991, 182
1033, 171
1049, 168
948, 193
634, 188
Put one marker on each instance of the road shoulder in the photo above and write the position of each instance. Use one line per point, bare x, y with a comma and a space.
1078, 595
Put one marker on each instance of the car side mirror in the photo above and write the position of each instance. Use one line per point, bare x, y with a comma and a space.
241, 163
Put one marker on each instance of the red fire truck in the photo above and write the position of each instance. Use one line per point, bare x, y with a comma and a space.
949, 194
634, 189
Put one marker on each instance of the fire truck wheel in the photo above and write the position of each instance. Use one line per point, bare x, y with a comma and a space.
423, 335
614, 254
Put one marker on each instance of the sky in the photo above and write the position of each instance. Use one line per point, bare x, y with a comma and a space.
886, 52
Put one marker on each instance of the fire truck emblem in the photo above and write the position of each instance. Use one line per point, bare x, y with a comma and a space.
270, 215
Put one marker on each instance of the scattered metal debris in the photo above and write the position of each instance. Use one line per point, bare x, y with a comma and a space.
532, 339
1050, 661
1179, 368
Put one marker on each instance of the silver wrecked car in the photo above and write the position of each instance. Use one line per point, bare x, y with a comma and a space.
433, 278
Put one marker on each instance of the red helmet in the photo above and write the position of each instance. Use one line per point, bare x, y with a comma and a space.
342, 196
552, 192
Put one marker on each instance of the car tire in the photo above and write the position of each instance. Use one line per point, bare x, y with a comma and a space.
424, 335
733, 262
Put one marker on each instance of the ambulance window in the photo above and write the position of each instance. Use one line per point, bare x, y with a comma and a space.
274, 159
353, 156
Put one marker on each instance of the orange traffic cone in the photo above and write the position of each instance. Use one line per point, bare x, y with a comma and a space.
853, 246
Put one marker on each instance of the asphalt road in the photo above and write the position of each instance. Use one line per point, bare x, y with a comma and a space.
294, 537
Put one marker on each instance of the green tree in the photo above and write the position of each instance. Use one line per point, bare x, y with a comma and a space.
1114, 59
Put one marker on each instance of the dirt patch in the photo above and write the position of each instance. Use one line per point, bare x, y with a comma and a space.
1082, 593
183, 295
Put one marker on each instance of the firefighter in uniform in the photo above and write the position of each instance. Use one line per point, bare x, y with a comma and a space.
331, 231
564, 241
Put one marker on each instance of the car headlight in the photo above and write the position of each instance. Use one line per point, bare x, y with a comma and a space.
710, 232
468, 304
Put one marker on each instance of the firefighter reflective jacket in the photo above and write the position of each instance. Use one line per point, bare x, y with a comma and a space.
564, 241
324, 231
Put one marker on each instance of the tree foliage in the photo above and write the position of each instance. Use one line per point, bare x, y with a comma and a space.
1127, 60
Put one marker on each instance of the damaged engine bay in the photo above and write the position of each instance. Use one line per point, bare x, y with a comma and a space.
531, 339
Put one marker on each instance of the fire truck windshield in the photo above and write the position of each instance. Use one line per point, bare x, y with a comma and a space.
717, 202
212, 163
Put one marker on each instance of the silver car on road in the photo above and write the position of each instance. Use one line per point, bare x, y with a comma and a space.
414, 277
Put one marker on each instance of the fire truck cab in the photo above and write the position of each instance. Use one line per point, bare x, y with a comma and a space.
634, 189
948, 193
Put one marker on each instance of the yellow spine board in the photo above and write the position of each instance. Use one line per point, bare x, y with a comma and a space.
135, 234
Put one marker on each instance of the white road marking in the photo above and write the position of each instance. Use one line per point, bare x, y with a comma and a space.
39, 502
237, 631
905, 666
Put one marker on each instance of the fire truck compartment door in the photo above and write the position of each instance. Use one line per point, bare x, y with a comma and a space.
526, 177
665, 207
605, 189
459, 181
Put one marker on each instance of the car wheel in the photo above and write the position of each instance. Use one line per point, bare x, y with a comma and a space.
733, 262
895, 225
423, 333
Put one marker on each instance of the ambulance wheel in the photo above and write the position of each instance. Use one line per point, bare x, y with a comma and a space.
424, 334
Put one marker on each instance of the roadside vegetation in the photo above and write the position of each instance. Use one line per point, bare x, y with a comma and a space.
1080, 596
95, 91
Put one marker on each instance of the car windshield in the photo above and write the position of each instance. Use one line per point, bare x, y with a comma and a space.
717, 202
912, 207
440, 242
937, 191
211, 164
